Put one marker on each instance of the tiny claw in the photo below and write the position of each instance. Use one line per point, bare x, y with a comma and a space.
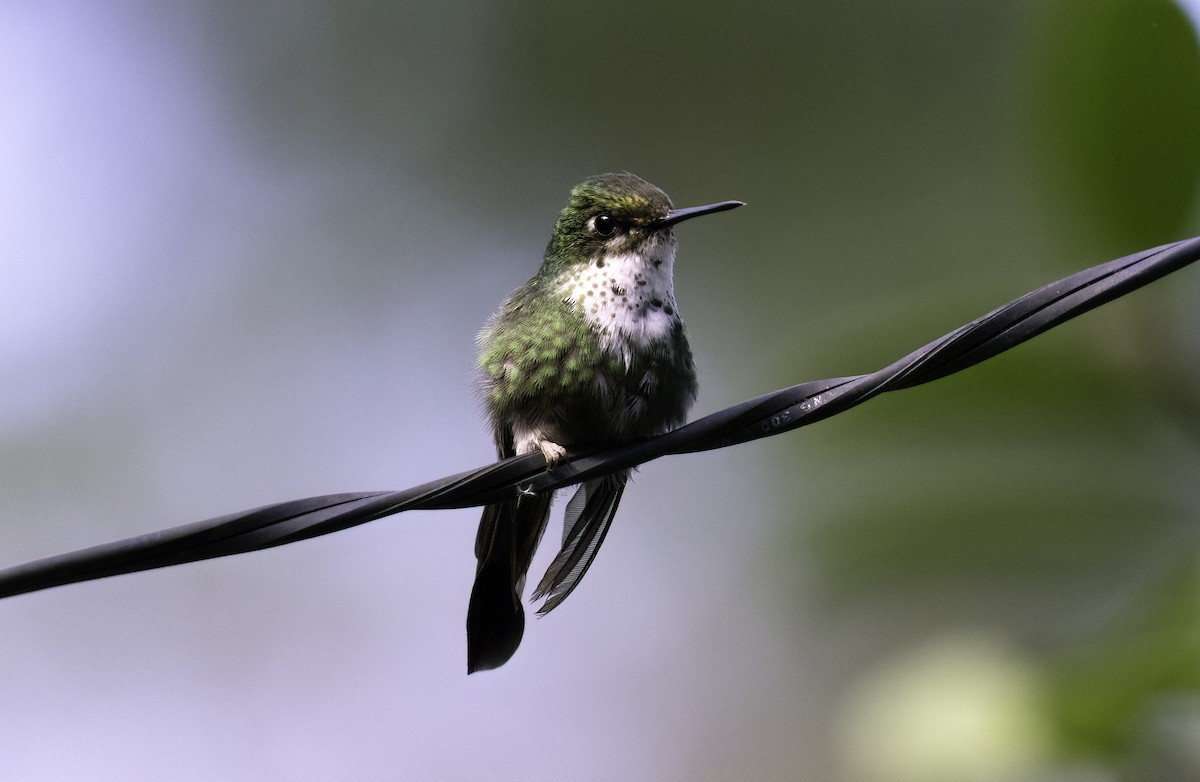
553, 452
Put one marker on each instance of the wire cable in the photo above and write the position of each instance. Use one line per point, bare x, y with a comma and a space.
765, 416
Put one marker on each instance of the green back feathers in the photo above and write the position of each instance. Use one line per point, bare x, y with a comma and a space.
536, 345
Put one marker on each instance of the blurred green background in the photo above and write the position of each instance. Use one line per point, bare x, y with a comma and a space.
245, 252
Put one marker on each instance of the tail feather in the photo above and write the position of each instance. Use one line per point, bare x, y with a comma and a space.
588, 516
508, 535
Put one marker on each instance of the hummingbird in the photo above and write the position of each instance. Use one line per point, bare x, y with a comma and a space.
590, 351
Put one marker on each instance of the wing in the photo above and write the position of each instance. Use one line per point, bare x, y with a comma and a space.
587, 519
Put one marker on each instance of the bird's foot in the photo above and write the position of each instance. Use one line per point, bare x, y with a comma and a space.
553, 452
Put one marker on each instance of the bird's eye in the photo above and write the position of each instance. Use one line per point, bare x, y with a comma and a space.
604, 225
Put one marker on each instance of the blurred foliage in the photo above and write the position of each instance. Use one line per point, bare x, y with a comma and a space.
1115, 114
1151, 653
1039, 494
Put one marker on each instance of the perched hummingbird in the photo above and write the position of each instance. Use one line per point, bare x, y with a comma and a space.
590, 351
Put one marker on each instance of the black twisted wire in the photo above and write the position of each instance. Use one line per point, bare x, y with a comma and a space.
771, 414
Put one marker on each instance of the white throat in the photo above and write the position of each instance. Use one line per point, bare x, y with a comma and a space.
629, 297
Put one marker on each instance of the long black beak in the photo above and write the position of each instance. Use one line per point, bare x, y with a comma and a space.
679, 215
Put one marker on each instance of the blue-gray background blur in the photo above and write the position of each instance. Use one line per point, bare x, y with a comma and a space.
245, 249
